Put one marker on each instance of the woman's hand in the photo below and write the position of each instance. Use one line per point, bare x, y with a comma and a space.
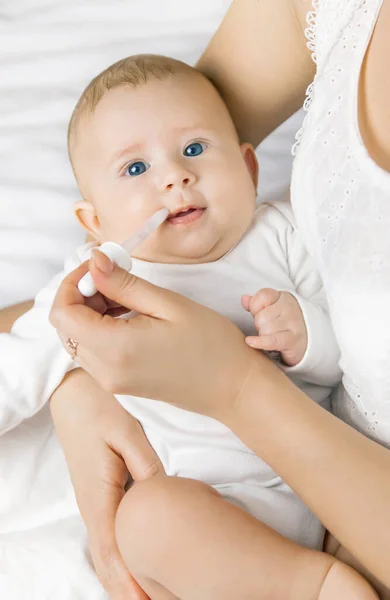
175, 350
102, 443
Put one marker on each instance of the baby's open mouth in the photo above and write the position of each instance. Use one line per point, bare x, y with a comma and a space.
186, 216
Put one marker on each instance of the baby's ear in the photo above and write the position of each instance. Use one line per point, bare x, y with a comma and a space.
251, 161
86, 215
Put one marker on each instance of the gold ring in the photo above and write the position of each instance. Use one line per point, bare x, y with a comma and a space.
72, 345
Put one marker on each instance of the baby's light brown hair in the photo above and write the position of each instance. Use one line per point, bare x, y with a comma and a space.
133, 70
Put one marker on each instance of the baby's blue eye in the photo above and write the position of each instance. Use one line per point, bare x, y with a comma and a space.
194, 149
137, 168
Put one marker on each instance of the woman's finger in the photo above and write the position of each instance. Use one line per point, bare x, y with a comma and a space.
116, 311
131, 292
132, 443
73, 318
69, 300
99, 515
86, 418
82, 358
110, 568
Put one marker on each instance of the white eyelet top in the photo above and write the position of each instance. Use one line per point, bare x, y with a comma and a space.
341, 200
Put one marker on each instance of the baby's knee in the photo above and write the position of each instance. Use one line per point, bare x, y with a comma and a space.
159, 499
152, 512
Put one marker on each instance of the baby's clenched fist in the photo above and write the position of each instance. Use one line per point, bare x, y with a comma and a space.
279, 321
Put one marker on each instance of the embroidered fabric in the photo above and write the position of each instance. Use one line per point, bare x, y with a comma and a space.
341, 199
311, 36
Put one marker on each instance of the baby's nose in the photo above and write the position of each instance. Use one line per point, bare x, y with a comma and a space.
179, 178
184, 182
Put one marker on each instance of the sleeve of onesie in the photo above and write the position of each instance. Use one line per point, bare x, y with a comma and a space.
320, 364
33, 361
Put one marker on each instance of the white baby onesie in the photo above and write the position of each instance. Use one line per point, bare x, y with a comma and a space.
270, 254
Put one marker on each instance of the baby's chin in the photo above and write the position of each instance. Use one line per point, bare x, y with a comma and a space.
189, 253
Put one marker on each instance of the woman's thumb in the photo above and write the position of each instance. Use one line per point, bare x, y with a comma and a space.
126, 289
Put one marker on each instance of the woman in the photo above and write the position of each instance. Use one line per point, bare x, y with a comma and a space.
340, 193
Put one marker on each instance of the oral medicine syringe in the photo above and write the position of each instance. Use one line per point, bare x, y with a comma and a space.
120, 253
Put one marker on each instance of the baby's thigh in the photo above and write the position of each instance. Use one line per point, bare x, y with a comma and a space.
159, 504
156, 518
179, 532
155, 530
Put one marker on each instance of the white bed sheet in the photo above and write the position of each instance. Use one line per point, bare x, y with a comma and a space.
50, 49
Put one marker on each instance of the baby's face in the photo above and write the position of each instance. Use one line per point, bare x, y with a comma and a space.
166, 144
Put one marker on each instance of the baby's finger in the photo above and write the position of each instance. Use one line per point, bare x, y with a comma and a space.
246, 301
263, 298
277, 341
268, 320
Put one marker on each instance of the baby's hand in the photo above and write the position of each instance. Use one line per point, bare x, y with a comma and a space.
279, 321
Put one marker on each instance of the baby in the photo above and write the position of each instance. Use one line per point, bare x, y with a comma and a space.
149, 133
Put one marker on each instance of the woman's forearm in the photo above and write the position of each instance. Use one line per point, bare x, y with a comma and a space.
262, 81
9, 314
341, 475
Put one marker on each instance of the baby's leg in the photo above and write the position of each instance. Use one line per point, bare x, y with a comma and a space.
180, 536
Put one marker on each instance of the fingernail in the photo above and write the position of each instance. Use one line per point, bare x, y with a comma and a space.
102, 262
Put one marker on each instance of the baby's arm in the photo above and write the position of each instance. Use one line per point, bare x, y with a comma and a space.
33, 361
320, 365
296, 322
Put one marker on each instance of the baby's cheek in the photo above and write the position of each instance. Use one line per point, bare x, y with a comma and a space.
117, 227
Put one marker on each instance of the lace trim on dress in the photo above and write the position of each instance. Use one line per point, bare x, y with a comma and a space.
311, 37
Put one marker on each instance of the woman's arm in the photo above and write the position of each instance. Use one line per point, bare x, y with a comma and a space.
9, 314
259, 61
340, 474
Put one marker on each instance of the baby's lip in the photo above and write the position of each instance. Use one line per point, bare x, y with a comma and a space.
186, 215
183, 210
